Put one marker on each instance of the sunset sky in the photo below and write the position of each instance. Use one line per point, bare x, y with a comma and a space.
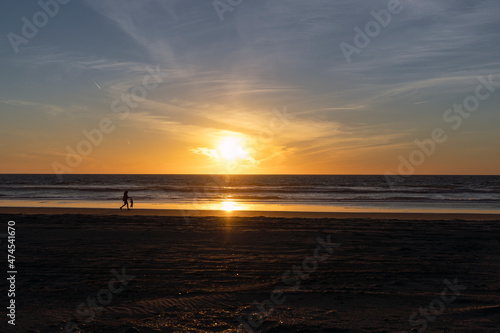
262, 88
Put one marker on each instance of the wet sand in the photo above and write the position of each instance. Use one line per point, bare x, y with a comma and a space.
305, 273
250, 213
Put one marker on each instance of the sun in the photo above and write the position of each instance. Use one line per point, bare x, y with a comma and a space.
229, 206
230, 148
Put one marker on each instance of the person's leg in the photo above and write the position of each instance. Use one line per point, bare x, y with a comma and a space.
127, 205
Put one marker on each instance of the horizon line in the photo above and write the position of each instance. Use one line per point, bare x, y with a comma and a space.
244, 174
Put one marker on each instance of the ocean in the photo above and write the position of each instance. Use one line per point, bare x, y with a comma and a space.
257, 192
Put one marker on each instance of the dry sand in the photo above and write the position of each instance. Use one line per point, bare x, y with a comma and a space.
204, 275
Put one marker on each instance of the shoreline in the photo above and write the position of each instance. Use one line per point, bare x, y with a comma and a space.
248, 213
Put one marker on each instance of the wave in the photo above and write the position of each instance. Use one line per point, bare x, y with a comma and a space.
324, 189
245, 189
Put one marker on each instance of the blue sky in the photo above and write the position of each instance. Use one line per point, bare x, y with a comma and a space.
225, 77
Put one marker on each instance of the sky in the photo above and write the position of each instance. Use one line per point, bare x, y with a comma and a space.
250, 86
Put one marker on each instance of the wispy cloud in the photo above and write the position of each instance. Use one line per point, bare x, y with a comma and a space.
51, 110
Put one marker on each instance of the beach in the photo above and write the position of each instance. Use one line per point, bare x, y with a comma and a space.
234, 166
111, 271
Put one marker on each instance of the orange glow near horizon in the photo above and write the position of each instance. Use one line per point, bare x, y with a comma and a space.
234, 152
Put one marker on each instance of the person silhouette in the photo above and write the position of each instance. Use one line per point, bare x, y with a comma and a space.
125, 200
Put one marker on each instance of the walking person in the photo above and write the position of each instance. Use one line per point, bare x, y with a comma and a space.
125, 200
